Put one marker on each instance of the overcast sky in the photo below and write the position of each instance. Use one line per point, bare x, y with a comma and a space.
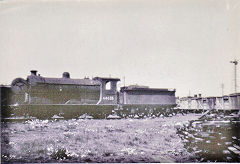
182, 44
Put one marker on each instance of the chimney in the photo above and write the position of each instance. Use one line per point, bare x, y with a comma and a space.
66, 75
33, 72
199, 95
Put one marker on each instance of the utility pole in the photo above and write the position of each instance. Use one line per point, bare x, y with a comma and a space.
235, 62
222, 86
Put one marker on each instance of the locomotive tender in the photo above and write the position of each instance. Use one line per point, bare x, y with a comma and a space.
43, 97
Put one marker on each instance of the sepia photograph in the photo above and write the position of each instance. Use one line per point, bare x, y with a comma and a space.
120, 81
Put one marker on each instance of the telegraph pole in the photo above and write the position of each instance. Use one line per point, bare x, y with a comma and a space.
222, 86
235, 62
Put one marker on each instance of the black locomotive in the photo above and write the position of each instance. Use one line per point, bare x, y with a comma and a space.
43, 97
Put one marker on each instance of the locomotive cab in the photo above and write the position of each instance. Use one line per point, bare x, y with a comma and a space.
108, 93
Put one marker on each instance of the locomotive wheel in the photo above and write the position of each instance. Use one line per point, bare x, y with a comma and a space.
141, 115
99, 116
121, 114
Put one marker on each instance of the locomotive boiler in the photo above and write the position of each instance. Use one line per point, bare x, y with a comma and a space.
43, 97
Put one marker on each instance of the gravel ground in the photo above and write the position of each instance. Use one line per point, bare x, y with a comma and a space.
89, 140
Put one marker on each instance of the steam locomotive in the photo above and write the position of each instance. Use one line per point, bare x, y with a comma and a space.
44, 97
